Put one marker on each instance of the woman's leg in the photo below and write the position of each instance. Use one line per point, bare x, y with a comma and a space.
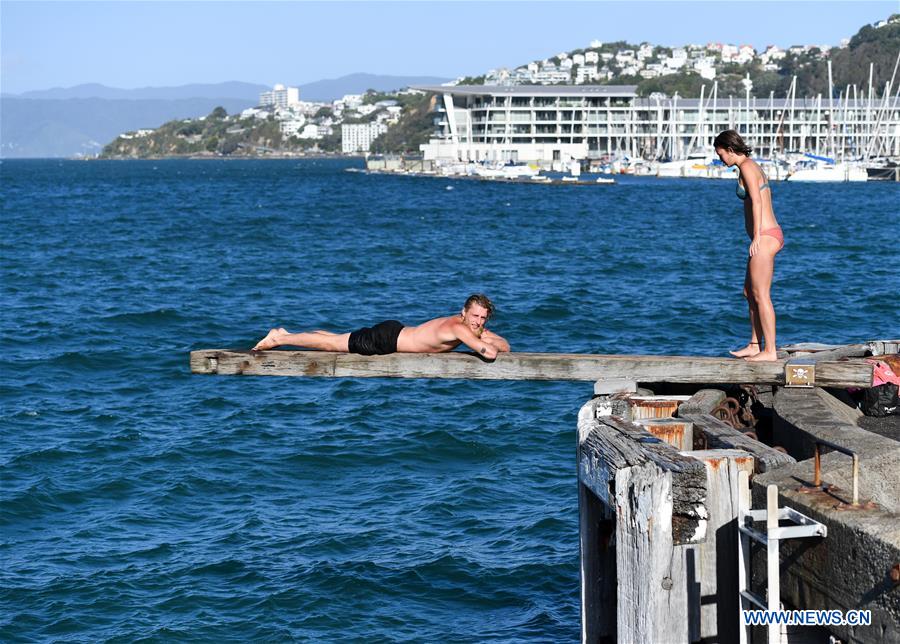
322, 340
762, 267
752, 347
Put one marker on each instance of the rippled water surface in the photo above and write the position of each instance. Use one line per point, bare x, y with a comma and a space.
138, 501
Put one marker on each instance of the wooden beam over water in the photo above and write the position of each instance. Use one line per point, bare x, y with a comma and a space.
519, 366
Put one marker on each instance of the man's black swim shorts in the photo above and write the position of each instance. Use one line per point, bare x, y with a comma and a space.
378, 340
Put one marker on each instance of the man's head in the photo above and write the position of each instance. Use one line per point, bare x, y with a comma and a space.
477, 310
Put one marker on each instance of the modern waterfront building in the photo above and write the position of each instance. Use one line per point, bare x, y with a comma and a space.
280, 96
547, 123
358, 137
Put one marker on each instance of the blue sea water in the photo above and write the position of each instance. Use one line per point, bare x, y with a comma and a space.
141, 503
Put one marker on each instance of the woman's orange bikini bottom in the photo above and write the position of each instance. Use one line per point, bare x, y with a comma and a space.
776, 233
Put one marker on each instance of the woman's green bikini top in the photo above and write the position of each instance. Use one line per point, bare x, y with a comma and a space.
742, 192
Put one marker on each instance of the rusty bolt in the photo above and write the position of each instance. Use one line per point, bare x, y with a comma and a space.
895, 573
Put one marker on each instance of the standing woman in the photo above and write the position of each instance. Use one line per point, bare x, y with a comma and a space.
766, 240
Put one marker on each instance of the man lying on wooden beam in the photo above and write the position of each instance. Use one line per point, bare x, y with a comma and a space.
435, 336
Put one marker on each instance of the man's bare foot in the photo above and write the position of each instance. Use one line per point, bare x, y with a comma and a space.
271, 340
751, 349
763, 356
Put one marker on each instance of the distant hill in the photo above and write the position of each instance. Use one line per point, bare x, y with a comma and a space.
63, 122
32, 127
235, 90
334, 88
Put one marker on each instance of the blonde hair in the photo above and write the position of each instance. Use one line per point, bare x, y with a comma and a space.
482, 300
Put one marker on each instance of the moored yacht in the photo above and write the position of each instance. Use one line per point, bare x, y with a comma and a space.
825, 169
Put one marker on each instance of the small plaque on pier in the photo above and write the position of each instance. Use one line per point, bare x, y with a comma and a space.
800, 372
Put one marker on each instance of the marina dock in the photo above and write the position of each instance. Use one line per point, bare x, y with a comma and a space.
673, 455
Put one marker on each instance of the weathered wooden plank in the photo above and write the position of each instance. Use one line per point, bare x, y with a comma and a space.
517, 366
834, 353
702, 402
721, 435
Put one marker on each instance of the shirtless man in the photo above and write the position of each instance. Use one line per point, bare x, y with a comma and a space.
435, 336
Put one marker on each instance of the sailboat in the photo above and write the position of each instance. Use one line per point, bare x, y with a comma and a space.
821, 169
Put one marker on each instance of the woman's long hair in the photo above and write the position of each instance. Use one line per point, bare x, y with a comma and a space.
731, 140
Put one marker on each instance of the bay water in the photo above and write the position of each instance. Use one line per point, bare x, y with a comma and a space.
141, 503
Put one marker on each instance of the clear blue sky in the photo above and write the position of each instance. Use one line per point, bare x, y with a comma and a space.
139, 44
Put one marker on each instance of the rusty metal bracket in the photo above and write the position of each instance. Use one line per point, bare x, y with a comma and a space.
800, 372
818, 486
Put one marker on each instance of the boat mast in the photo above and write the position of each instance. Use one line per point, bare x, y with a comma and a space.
829, 139
793, 95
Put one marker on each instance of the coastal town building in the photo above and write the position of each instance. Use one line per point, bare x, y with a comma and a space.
585, 74
309, 131
540, 123
137, 134
293, 127
254, 112
280, 96
358, 137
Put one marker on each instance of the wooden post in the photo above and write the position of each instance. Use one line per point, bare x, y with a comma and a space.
598, 555
716, 568
651, 499
652, 601
677, 432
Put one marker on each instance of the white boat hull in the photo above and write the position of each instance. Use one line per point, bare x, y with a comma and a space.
837, 173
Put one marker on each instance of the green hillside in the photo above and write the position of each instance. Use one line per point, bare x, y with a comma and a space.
215, 135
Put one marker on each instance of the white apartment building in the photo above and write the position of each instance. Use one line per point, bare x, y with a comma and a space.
547, 77
771, 54
280, 96
253, 112
625, 56
293, 127
591, 58
745, 54
705, 66
578, 59
358, 137
585, 73
310, 131
538, 123
349, 101
728, 53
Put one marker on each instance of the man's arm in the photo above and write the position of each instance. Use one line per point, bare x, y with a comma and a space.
464, 334
496, 340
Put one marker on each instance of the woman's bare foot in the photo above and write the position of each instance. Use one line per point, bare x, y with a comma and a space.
271, 340
763, 356
751, 349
